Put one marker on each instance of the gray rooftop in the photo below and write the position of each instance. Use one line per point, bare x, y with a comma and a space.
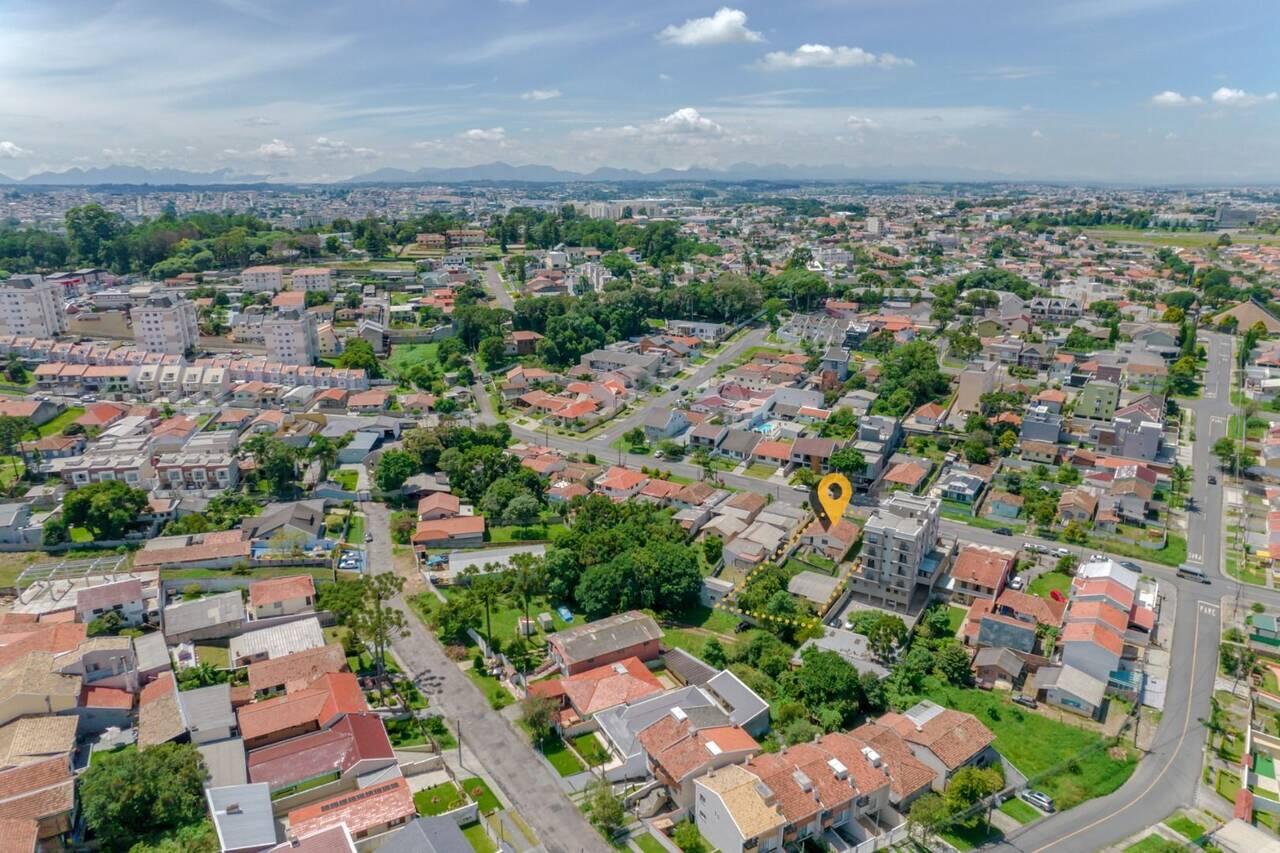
278, 640
204, 612
242, 815
224, 759
151, 652
207, 708
428, 835
606, 635
741, 702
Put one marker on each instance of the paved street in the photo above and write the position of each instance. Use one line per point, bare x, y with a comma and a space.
506, 754
493, 285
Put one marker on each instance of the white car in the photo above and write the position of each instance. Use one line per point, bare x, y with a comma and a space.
1063, 552
1097, 558
1017, 582
1032, 547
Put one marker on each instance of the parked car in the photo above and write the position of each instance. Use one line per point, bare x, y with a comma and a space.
1033, 547
1213, 481
1025, 701
1062, 552
1132, 566
741, 626
1017, 582
1097, 558
1002, 531
368, 537
1039, 799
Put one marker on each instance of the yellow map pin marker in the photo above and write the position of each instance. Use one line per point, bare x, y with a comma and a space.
833, 494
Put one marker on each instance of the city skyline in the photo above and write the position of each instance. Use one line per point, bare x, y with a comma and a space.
1143, 91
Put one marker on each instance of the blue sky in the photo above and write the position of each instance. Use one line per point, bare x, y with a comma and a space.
1142, 90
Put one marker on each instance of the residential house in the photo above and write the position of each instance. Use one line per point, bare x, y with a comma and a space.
367, 813
979, 572
308, 709
943, 739
276, 641
282, 596
605, 641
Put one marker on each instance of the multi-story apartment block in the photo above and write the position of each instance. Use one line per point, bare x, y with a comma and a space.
31, 307
900, 557
262, 279
291, 337
193, 470
166, 323
311, 278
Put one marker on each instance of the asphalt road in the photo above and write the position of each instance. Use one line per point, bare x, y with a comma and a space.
505, 753
493, 285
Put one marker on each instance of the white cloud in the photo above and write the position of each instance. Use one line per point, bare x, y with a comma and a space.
1035, 134
1170, 98
276, 149
663, 76
862, 123
687, 120
326, 147
481, 134
726, 26
1228, 97
259, 121
824, 56
12, 151
540, 94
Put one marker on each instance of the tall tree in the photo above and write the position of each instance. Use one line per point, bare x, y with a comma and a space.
377, 621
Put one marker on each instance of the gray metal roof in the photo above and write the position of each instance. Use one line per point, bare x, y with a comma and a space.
207, 708
430, 834
225, 762
606, 635
737, 699
203, 612
151, 652
278, 640
686, 667
242, 815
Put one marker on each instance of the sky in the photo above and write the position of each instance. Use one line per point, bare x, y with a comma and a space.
1090, 90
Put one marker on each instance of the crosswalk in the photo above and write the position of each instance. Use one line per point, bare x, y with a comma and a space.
1195, 558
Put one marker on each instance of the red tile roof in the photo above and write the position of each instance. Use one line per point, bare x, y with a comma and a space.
297, 670
266, 592
354, 738
363, 810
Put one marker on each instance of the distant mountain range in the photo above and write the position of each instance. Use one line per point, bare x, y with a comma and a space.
97, 175
736, 172
500, 172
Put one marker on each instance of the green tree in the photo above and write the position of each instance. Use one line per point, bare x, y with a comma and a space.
131, 795
1226, 451
539, 715
493, 352
928, 815
394, 467
850, 462
13, 430
714, 654
359, 355
951, 663
106, 509
377, 621
523, 510
968, 787
606, 810
275, 462
688, 839
634, 437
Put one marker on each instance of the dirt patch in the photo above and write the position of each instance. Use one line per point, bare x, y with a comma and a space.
405, 565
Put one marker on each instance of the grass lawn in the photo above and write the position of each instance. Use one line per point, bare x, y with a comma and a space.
646, 842
439, 799
1034, 744
100, 754
504, 619
760, 470
346, 479
405, 356
1049, 581
1019, 811
1227, 784
1185, 826
355, 531
588, 746
479, 791
1155, 844
955, 617
564, 761
1174, 552
80, 535
1183, 239
499, 696
218, 656
530, 533
477, 838
56, 425
320, 575
9, 471
14, 563
967, 838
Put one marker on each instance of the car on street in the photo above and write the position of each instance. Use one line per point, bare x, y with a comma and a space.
1213, 481
1024, 701
1039, 799
1002, 531
1097, 558
1063, 552
1131, 566
368, 537
1034, 547
657, 454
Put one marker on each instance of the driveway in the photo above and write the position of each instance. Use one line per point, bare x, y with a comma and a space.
505, 753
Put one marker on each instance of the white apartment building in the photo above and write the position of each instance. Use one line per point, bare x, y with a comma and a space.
166, 323
306, 279
31, 307
262, 279
899, 551
291, 337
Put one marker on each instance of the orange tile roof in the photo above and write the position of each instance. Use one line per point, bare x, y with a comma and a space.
262, 593
984, 567
361, 810
604, 687
328, 696
298, 669
953, 736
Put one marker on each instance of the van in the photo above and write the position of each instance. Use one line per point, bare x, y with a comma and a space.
1193, 573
